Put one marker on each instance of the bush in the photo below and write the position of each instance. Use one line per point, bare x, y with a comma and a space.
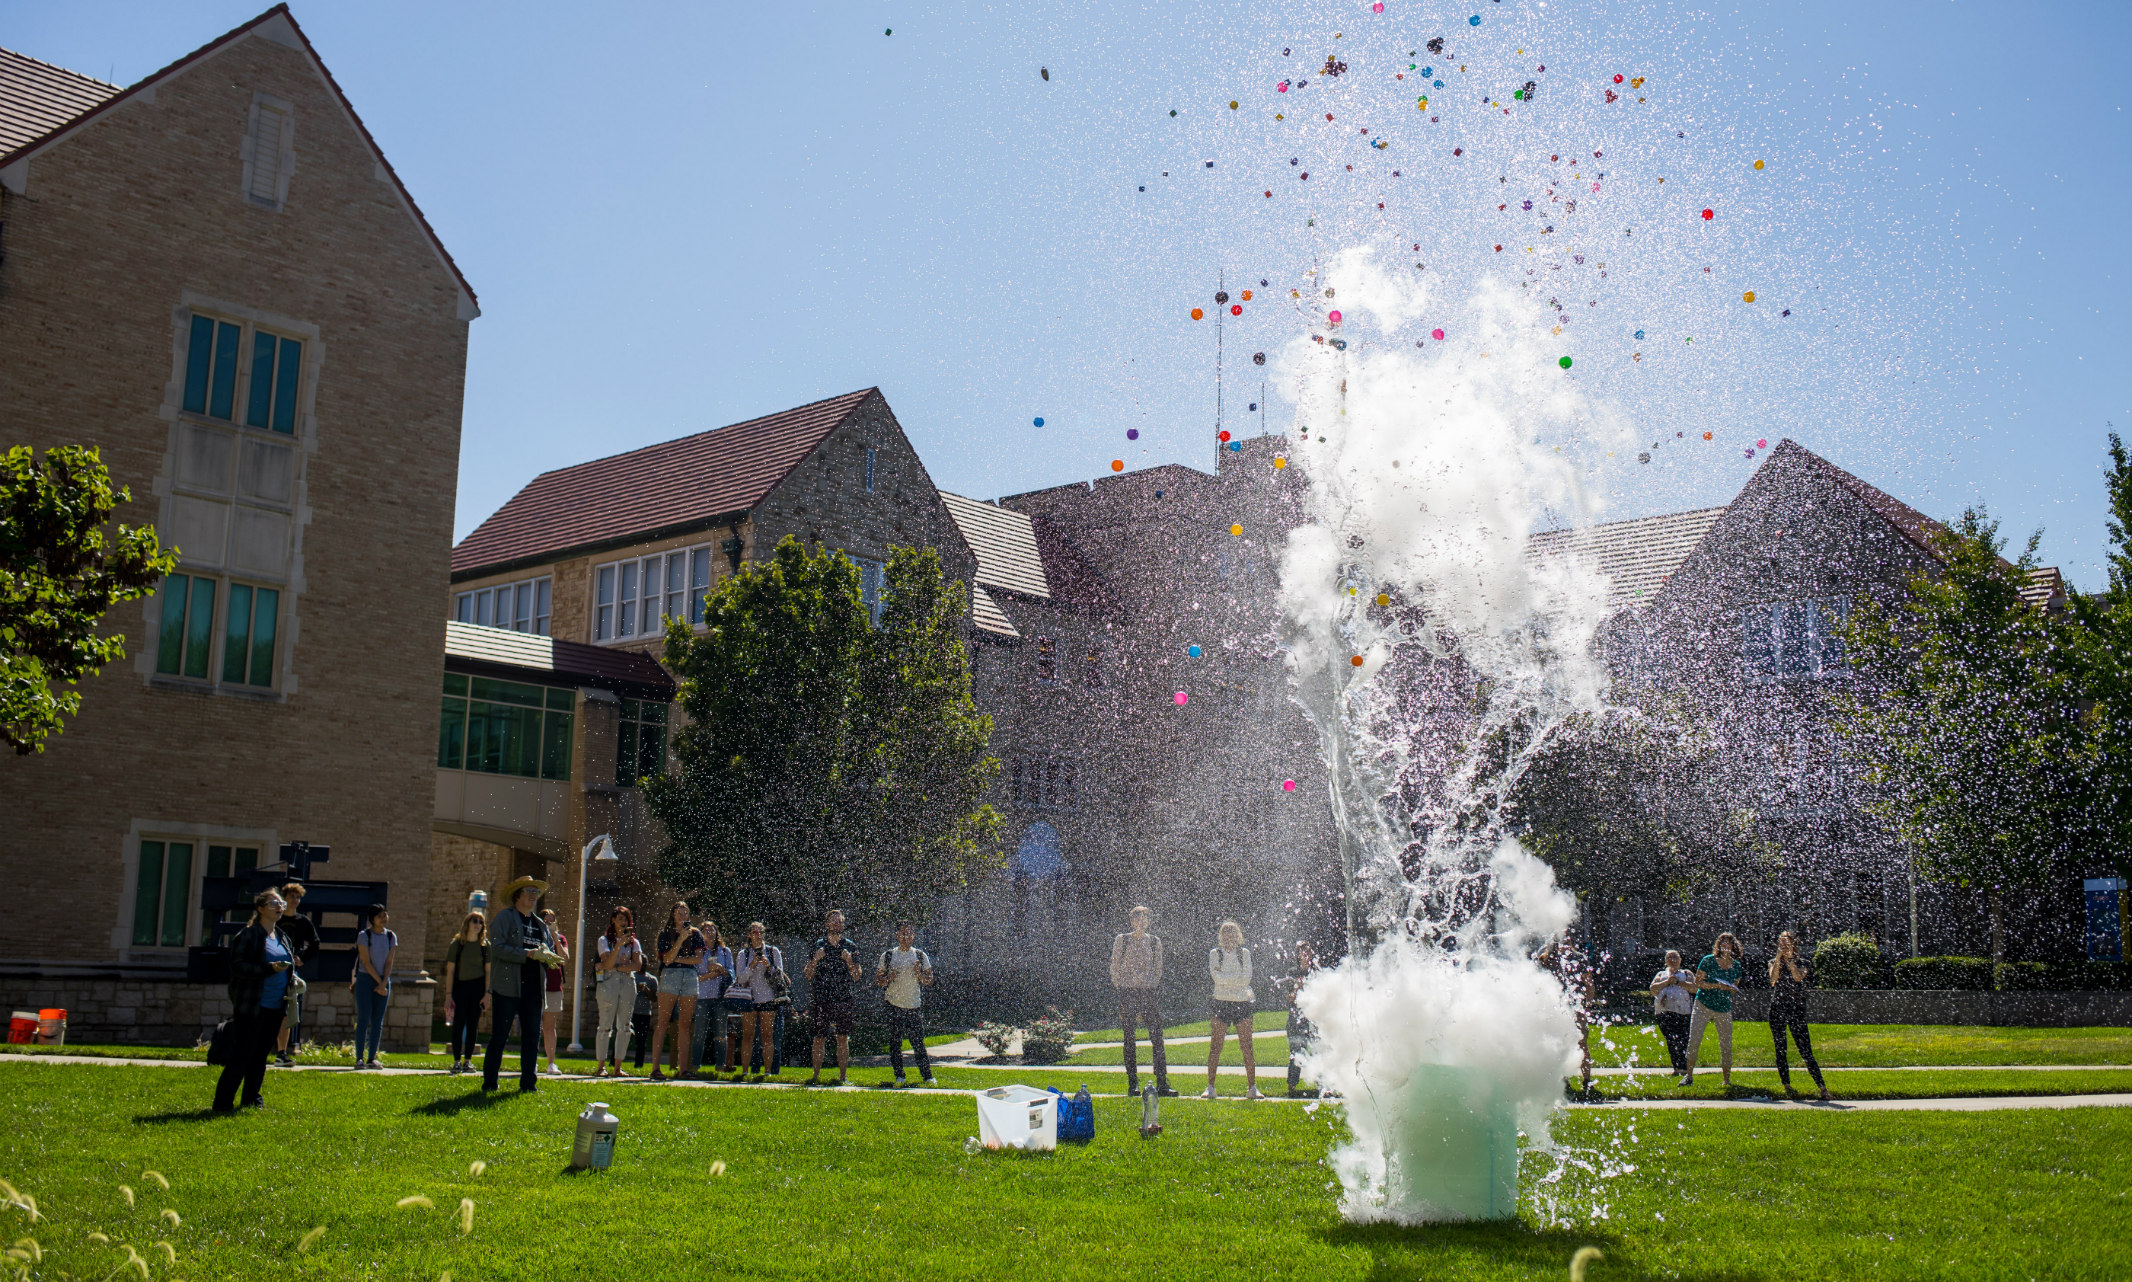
1048, 1038
1848, 961
1972, 974
2023, 977
995, 1037
2095, 976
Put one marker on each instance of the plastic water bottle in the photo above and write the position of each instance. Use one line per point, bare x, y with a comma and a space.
1150, 1112
596, 1129
478, 902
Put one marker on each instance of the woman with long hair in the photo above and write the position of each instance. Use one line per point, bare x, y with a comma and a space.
679, 945
754, 996
620, 958
552, 1004
1717, 980
260, 963
714, 970
466, 987
1787, 1010
1229, 962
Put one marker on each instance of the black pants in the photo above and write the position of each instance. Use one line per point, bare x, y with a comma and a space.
466, 1018
640, 1034
1795, 1021
503, 1010
1674, 1028
1138, 1005
907, 1025
248, 1067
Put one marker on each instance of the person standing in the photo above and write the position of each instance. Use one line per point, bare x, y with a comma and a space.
714, 970
1673, 998
552, 1009
1229, 963
832, 968
466, 987
1306, 961
1136, 972
518, 955
1787, 1010
679, 945
620, 957
260, 962
1717, 979
1572, 969
375, 945
901, 971
755, 995
303, 937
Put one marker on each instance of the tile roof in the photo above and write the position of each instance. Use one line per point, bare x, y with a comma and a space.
37, 97
528, 656
1005, 543
1637, 555
673, 485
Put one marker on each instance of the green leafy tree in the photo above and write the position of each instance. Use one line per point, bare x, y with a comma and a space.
826, 762
59, 573
2104, 643
1967, 718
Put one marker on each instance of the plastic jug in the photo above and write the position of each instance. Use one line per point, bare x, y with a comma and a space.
1020, 1117
596, 1128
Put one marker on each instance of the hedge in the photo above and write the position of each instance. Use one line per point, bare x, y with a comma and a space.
1935, 973
1849, 961
2023, 977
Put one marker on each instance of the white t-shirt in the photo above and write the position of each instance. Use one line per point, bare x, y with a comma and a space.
1231, 970
903, 966
1675, 999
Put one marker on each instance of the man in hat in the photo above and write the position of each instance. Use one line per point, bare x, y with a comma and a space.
520, 949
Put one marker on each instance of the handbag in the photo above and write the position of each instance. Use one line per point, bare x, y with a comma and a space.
297, 986
222, 1043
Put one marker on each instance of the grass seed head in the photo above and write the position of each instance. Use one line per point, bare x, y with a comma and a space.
170, 1253
466, 1215
29, 1246
304, 1243
717, 1169
172, 1216
126, 1191
134, 1261
477, 1169
1584, 1256
416, 1200
157, 1176
100, 1239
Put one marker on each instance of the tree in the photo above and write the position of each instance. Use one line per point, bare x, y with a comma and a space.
1967, 718
59, 573
826, 762
2104, 644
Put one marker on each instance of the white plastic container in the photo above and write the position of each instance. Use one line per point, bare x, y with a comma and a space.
1018, 1117
596, 1128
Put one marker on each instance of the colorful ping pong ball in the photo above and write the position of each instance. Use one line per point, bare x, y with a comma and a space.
1132, 433
1747, 297
1334, 317
1192, 650
1384, 598
1564, 362
1198, 314
1709, 214
1182, 698
1757, 164
1356, 661
1117, 465
1039, 420
1236, 309
1436, 334
1247, 295
1706, 436
1237, 530
1287, 785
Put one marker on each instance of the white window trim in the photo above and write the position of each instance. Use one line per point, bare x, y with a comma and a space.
130, 871
466, 605
687, 553
285, 154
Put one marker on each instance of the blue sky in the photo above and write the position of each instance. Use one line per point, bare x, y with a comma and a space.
681, 216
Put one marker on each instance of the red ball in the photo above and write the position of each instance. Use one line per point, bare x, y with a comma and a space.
1709, 214
1236, 309
1617, 80
1225, 435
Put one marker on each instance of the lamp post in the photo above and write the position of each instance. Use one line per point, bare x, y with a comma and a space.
605, 845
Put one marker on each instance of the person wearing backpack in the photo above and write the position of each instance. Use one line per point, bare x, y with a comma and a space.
831, 969
759, 985
1136, 972
375, 945
899, 974
1229, 962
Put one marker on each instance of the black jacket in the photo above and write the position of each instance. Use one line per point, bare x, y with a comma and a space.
302, 937
248, 969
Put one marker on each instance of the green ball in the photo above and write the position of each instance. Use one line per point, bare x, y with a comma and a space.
1517, 93
1565, 362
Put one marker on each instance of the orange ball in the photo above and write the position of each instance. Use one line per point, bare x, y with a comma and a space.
1247, 295
1198, 314
1237, 530
1706, 436
1357, 660
1117, 465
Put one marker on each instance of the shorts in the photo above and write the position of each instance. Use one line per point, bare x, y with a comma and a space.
743, 1006
840, 1017
1237, 1013
555, 1002
678, 981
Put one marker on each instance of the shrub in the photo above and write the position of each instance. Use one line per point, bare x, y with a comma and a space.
995, 1037
1969, 973
1848, 961
2088, 976
2023, 977
1047, 1038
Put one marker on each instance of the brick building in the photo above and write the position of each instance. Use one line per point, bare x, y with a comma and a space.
214, 277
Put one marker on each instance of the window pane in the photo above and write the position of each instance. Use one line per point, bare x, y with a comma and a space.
676, 584
625, 755
540, 606
266, 607
521, 754
286, 378
247, 859
604, 623
236, 633
199, 353
625, 616
653, 713
1758, 643
147, 894
222, 392
561, 700
699, 582
487, 728
259, 406
485, 608
170, 638
507, 692
454, 683
606, 585
451, 734
177, 893
651, 750
218, 861
463, 608
555, 746
199, 627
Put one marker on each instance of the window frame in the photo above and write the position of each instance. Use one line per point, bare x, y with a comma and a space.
203, 840
678, 577
537, 594
520, 717
1794, 640
208, 639
631, 725
1048, 781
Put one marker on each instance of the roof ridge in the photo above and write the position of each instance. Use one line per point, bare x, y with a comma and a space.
1626, 520
1874, 497
64, 71
690, 436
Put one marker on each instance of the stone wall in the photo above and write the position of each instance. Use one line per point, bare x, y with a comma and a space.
157, 1008
1928, 1006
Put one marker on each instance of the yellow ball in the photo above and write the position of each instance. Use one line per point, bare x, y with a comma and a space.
1237, 530
1384, 598
1747, 297
1232, 104
1279, 463
1757, 164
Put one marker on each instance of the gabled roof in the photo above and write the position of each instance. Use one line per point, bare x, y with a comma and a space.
1636, 555
41, 97
528, 656
1005, 543
37, 97
691, 482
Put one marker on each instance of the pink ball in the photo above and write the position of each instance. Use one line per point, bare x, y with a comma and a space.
1287, 785
1183, 698
1377, 7
1334, 317
1437, 334
1761, 445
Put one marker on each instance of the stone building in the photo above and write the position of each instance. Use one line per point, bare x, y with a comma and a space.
215, 277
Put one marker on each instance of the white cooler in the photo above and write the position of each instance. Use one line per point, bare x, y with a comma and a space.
1018, 1117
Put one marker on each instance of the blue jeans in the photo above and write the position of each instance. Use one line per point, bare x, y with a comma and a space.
369, 1017
711, 1028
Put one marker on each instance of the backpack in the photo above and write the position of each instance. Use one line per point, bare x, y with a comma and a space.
1077, 1116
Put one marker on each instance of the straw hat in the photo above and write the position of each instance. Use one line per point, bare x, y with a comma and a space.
510, 892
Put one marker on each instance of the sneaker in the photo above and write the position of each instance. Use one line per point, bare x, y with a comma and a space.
900, 1082
1165, 1089
457, 1068
1254, 1093
285, 1059
815, 1080
554, 1071
843, 1079
375, 1063
1207, 1093
928, 1080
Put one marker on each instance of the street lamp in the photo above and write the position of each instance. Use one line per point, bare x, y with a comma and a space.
605, 845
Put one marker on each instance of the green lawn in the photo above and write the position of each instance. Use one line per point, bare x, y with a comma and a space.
1272, 1051
1886, 1045
1262, 1021
869, 1186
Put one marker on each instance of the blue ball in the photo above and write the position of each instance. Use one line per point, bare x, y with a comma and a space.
1474, 21
1439, 84
1639, 333
1426, 72
1236, 447
1039, 421
1192, 650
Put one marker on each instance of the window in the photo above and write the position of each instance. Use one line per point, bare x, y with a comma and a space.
873, 587
505, 728
269, 154
272, 376
162, 894
1042, 781
634, 598
641, 749
1793, 640
188, 628
185, 637
248, 637
1047, 659
520, 607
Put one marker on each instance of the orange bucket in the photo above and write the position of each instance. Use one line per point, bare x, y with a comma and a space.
21, 1028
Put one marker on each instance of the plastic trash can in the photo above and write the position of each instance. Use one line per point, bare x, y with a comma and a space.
1020, 1117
